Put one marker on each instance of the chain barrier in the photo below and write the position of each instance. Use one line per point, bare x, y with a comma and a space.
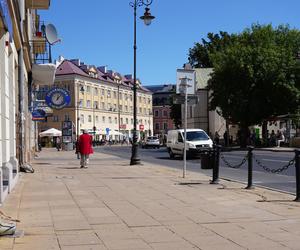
233, 166
274, 171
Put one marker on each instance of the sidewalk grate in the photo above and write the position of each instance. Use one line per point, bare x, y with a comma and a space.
128, 177
189, 183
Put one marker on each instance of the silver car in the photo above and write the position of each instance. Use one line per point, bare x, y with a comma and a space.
151, 142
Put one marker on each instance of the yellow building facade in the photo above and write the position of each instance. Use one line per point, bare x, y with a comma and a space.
101, 102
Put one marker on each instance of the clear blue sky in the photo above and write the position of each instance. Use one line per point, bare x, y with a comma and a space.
101, 32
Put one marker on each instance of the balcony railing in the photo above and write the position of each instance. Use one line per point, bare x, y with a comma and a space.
38, 4
40, 48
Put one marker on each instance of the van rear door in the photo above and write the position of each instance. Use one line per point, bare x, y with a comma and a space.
178, 145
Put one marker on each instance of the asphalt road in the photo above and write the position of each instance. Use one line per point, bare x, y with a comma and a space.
283, 181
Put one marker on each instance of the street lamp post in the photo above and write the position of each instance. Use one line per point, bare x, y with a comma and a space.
94, 123
147, 18
184, 85
119, 115
80, 89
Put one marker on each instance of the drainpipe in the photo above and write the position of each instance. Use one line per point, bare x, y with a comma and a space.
21, 84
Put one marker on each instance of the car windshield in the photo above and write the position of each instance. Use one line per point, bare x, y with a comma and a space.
152, 138
196, 136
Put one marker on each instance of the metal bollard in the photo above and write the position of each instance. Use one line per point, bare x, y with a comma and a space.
297, 166
215, 174
250, 167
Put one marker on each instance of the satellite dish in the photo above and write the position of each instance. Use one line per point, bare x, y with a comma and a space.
51, 34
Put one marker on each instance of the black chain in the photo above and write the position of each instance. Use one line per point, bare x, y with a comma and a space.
275, 171
233, 166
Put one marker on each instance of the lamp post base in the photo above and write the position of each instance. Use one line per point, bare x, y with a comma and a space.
135, 160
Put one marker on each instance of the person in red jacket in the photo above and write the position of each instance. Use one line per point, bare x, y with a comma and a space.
84, 147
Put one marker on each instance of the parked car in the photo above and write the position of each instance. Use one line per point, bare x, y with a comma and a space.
151, 142
196, 141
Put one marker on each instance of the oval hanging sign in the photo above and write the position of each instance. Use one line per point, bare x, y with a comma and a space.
38, 115
58, 98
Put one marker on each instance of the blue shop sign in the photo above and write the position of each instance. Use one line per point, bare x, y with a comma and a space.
4, 13
57, 98
38, 115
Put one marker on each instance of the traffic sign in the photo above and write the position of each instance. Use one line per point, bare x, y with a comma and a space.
179, 99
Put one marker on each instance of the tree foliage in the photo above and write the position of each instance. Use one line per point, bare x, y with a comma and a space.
256, 73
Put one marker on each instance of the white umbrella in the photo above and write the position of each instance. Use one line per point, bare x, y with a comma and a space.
113, 132
50, 132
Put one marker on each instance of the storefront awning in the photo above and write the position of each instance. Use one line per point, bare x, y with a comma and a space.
43, 74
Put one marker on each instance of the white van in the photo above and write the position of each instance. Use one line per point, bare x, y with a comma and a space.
196, 141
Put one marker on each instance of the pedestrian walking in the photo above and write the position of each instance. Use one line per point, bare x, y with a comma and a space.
58, 143
280, 138
217, 138
84, 147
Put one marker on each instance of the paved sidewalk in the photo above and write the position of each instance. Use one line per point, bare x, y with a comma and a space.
112, 205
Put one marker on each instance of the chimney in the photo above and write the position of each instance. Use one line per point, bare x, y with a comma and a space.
129, 77
103, 69
76, 61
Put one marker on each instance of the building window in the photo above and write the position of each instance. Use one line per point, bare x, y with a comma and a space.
116, 120
80, 103
121, 108
89, 118
88, 103
97, 118
191, 112
96, 91
103, 118
115, 94
103, 92
144, 99
131, 98
120, 96
82, 118
109, 120
156, 113
102, 105
165, 113
165, 125
126, 120
55, 118
131, 121
108, 93
149, 100
67, 117
126, 108
88, 89
121, 120
96, 106
157, 126
145, 111
141, 111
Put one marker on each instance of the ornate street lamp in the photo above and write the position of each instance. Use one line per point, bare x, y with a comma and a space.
147, 18
80, 89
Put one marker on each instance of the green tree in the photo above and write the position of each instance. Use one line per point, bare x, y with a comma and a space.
256, 75
199, 55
